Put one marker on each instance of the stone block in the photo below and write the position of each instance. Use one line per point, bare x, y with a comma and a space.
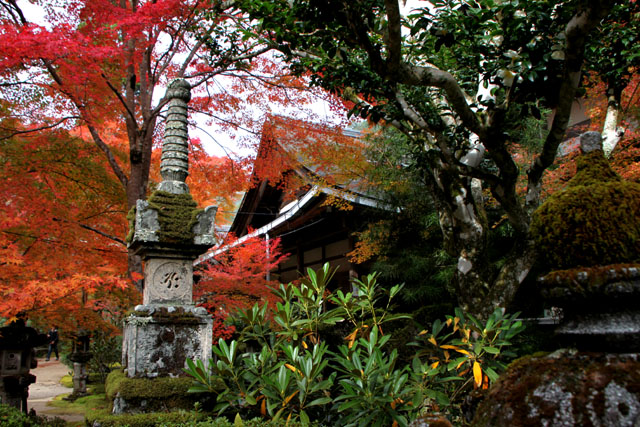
168, 281
158, 340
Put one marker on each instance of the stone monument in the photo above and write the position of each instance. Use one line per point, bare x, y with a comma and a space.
169, 233
588, 235
17, 357
80, 356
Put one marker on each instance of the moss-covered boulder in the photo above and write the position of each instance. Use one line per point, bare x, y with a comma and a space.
565, 389
141, 395
594, 221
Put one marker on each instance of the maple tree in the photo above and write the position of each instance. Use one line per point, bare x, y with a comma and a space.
95, 63
63, 210
63, 259
457, 78
237, 277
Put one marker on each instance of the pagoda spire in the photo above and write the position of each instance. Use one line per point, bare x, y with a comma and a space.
174, 163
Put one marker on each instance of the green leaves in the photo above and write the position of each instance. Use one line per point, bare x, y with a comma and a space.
372, 390
469, 349
203, 382
295, 376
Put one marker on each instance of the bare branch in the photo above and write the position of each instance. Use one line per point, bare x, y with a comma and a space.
14, 9
45, 127
121, 99
122, 177
103, 234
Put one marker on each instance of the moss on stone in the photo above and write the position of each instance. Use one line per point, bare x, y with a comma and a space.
131, 219
162, 314
177, 214
112, 383
151, 394
593, 169
587, 281
567, 386
145, 388
594, 221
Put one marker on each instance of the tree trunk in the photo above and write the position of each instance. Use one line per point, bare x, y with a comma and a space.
140, 158
611, 132
480, 288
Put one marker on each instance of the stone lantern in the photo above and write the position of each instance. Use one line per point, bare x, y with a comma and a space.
80, 355
588, 236
169, 233
17, 357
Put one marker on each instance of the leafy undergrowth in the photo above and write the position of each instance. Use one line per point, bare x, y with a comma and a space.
302, 376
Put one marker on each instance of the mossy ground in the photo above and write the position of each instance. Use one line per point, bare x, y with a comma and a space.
67, 381
95, 401
82, 405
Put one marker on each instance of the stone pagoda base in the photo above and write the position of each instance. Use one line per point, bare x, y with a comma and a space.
566, 388
158, 340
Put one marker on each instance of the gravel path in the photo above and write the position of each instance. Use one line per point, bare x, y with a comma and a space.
47, 386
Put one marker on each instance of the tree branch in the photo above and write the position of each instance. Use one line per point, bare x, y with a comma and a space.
394, 35
21, 132
457, 99
122, 177
121, 99
576, 32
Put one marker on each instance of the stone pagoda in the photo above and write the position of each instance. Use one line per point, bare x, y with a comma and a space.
169, 233
588, 237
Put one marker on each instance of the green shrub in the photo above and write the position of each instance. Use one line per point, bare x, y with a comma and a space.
295, 376
180, 419
106, 351
147, 420
12, 417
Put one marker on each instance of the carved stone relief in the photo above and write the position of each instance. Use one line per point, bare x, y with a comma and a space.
168, 282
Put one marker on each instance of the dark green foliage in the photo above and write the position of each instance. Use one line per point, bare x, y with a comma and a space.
106, 351
178, 418
594, 221
12, 417
363, 381
408, 235
177, 214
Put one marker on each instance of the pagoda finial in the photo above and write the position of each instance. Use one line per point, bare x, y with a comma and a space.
174, 165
